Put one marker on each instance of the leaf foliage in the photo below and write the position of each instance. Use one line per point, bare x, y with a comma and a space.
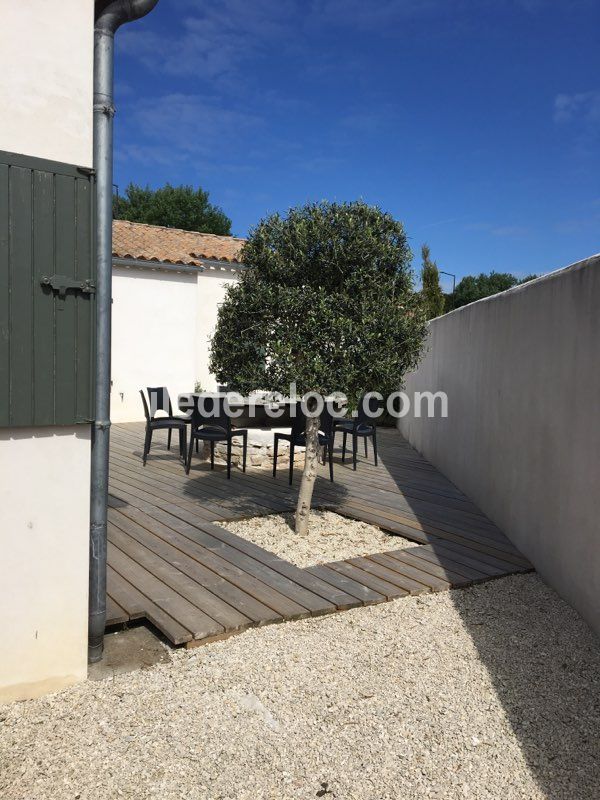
180, 207
476, 287
326, 301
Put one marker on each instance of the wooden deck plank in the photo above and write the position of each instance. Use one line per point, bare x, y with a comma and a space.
227, 616
176, 532
449, 576
425, 533
405, 569
245, 603
218, 502
312, 583
362, 593
199, 582
287, 587
138, 605
407, 582
125, 595
367, 578
115, 615
499, 561
405, 516
452, 569
197, 622
469, 567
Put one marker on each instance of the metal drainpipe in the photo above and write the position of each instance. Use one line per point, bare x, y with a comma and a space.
109, 16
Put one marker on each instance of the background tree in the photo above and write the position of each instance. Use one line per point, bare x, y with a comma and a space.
328, 303
476, 287
172, 206
433, 297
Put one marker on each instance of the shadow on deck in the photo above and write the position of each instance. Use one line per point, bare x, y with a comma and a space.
197, 582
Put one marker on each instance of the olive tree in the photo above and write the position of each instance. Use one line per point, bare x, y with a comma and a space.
327, 303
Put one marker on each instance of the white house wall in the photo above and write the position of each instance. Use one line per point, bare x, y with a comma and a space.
46, 79
212, 286
162, 322
45, 502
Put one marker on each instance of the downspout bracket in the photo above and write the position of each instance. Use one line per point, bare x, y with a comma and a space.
104, 108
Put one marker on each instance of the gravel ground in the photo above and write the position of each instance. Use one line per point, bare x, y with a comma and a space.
490, 692
331, 537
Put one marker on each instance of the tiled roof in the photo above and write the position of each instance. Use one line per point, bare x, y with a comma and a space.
172, 246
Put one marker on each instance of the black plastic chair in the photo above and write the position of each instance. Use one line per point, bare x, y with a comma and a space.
297, 438
160, 401
361, 426
212, 424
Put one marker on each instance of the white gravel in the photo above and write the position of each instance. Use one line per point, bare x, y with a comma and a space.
331, 537
491, 692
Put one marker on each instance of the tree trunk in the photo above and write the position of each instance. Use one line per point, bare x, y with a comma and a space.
308, 475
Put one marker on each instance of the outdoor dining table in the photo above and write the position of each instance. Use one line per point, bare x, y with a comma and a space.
254, 410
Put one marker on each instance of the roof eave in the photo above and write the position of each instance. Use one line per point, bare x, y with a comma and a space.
165, 266
208, 265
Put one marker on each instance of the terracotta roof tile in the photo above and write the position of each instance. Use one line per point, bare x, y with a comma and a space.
171, 245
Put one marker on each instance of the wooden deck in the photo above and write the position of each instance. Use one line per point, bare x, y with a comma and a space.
197, 582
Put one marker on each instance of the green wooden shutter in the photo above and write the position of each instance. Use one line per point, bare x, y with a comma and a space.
47, 292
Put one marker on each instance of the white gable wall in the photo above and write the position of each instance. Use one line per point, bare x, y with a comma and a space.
162, 322
212, 286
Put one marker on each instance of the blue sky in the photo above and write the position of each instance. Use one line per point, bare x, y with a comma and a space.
475, 122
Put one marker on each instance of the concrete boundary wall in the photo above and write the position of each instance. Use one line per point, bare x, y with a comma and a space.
522, 436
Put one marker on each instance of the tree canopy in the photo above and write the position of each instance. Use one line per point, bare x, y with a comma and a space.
327, 302
476, 287
172, 206
432, 295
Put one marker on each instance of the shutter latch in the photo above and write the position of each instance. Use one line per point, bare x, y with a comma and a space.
61, 283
